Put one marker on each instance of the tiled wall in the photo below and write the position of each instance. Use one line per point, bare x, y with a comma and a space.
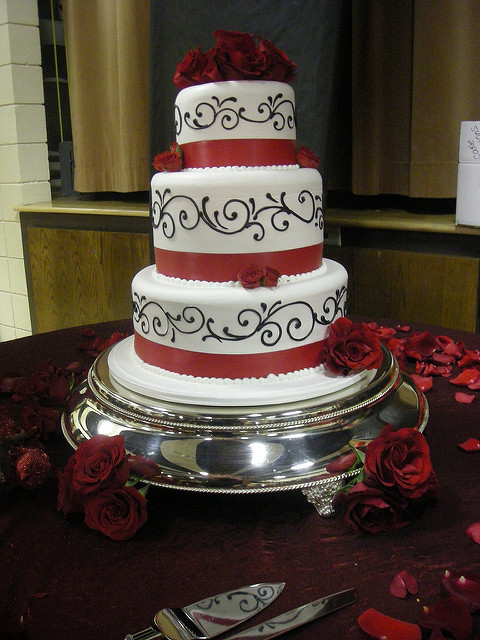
24, 171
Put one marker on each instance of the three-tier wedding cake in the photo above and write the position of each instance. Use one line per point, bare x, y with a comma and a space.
240, 297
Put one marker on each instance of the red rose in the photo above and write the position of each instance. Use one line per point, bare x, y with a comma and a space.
306, 158
270, 277
40, 422
171, 160
117, 513
189, 72
274, 63
400, 459
99, 463
235, 56
250, 277
367, 508
235, 41
350, 346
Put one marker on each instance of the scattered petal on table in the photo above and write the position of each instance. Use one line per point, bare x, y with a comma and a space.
422, 383
382, 627
464, 398
466, 377
450, 614
472, 444
473, 532
464, 585
402, 584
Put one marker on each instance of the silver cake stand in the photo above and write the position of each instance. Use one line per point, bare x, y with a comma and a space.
246, 449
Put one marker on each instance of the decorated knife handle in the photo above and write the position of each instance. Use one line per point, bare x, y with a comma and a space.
146, 634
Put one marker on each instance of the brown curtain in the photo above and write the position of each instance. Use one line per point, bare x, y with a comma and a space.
415, 70
415, 77
108, 59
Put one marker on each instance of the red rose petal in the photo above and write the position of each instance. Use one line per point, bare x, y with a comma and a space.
402, 584
464, 398
422, 383
403, 327
398, 588
464, 585
466, 377
472, 444
383, 627
473, 532
450, 614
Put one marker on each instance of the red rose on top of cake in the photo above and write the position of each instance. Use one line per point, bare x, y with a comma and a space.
235, 56
350, 346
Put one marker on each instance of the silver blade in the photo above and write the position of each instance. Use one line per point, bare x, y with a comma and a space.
217, 614
297, 617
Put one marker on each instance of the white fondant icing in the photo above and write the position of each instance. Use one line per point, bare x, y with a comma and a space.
235, 109
243, 211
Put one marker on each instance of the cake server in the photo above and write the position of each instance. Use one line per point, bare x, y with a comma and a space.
297, 617
211, 616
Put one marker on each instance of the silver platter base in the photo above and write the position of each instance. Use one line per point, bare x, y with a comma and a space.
245, 449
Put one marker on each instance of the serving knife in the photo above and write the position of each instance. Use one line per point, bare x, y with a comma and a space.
211, 616
297, 617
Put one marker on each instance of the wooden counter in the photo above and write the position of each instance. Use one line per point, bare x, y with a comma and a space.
81, 256
419, 267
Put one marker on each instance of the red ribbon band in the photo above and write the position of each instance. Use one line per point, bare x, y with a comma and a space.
238, 153
223, 267
214, 365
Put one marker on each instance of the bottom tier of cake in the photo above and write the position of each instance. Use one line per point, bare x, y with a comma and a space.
223, 330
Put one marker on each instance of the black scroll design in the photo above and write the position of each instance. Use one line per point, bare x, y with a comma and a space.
236, 215
152, 316
297, 320
277, 110
269, 324
243, 601
334, 306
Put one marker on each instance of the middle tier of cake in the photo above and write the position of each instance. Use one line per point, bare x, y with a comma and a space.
210, 223
222, 330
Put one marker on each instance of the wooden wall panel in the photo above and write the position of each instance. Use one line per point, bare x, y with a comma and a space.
82, 276
411, 287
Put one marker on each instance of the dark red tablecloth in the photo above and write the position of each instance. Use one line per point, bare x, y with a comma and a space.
72, 583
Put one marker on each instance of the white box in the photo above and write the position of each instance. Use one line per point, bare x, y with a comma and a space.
468, 194
469, 148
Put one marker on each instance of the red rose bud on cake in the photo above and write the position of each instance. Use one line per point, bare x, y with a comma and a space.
191, 70
350, 346
254, 276
250, 277
270, 277
171, 160
274, 62
306, 158
235, 56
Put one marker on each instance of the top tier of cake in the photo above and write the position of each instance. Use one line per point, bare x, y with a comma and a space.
249, 123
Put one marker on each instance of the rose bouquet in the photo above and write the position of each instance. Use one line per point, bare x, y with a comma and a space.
395, 480
96, 482
235, 56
